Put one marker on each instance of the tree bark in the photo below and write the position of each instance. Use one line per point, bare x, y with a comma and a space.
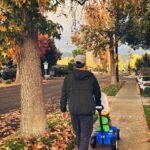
112, 67
17, 80
33, 118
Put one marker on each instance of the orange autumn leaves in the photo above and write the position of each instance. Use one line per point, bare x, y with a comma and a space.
43, 2
13, 48
98, 16
14, 51
11, 28
58, 136
2, 18
43, 44
98, 20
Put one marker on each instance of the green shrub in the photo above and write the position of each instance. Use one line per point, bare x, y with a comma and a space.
71, 65
145, 92
8, 81
9, 74
60, 72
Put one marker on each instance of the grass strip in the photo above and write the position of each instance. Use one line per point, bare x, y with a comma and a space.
147, 113
112, 90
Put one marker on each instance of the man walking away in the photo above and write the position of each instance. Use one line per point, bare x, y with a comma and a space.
81, 92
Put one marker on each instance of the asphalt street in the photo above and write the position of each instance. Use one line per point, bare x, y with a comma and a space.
10, 97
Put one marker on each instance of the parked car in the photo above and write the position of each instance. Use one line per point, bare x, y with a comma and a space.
2, 70
58, 71
8, 73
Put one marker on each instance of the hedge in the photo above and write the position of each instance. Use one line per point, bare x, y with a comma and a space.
145, 92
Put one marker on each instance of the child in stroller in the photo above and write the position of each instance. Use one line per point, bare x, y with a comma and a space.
105, 133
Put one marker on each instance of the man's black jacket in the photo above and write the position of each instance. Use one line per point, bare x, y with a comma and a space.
81, 92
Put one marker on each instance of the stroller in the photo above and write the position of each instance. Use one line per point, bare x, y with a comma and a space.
105, 133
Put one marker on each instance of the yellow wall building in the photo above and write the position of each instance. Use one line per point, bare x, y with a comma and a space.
91, 61
64, 61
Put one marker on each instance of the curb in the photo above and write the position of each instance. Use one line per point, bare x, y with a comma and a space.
6, 86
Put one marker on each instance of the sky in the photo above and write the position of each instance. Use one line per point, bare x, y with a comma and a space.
65, 17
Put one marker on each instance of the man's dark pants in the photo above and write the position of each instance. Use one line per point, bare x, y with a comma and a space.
82, 125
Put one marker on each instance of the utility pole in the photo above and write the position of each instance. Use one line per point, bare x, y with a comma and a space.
129, 59
117, 66
116, 40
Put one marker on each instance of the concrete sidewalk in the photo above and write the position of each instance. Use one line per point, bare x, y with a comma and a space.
128, 115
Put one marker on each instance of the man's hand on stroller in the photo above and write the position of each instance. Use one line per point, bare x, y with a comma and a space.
65, 115
99, 108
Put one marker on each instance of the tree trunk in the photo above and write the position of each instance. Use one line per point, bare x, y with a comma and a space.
17, 75
33, 118
112, 67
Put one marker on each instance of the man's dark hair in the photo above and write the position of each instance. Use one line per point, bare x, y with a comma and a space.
79, 64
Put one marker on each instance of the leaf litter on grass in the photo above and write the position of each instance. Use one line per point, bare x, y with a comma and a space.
59, 135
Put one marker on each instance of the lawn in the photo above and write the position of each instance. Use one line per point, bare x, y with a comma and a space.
147, 113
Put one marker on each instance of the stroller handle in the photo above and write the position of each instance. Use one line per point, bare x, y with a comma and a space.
100, 107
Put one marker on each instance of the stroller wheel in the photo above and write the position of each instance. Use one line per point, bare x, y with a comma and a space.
114, 144
93, 142
118, 134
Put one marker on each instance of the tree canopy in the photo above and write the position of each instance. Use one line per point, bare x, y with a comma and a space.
21, 18
143, 62
138, 25
50, 55
103, 21
78, 52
